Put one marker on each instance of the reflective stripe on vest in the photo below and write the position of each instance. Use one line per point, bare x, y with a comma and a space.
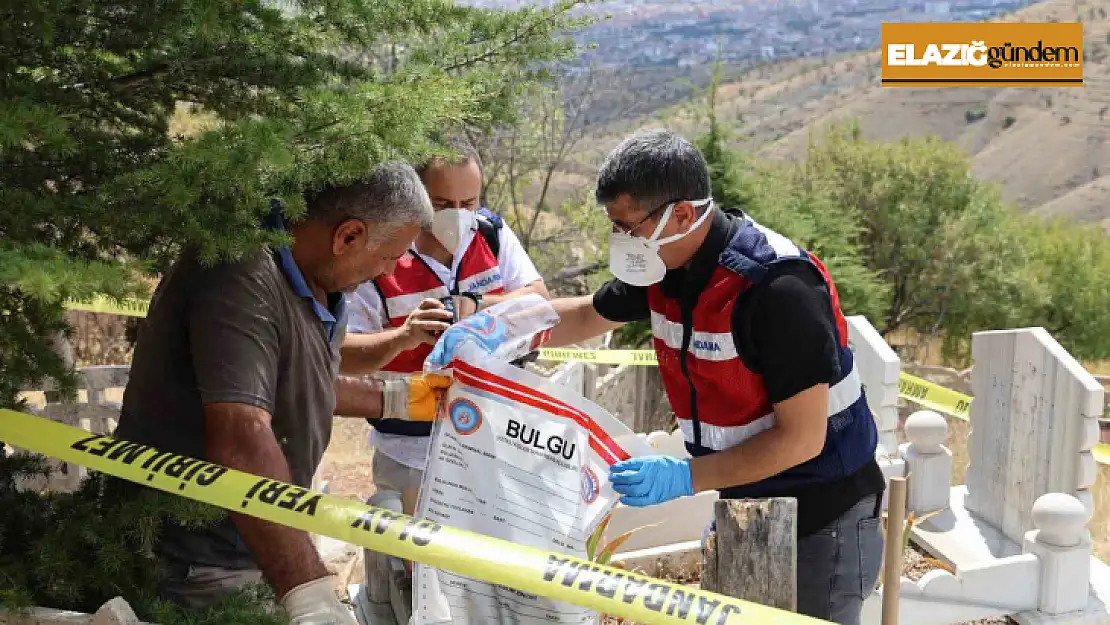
413, 281
725, 398
400, 306
717, 437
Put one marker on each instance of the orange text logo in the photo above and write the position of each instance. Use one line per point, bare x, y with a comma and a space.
983, 54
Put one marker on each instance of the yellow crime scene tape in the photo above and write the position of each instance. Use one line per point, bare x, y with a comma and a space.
940, 399
643, 357
934, 396
546, 573
915, 389
107, 305
918, 390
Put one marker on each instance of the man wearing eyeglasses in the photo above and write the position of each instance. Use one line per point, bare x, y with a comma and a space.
752, 348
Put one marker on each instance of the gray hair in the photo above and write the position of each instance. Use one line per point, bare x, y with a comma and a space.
392, 196
653, 167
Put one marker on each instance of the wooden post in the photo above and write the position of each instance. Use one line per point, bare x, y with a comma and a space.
892, 560
61, 345
753, 554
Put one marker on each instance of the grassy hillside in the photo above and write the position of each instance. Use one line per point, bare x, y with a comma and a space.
1047, 148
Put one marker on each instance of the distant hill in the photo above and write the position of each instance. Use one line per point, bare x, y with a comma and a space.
1047, 148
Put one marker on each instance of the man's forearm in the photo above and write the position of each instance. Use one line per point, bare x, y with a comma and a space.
367, 353
358, 397
286, 556
537, 287
766, 454
578, 321
798, 435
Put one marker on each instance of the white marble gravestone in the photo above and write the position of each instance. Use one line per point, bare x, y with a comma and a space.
879, 368
1034, 421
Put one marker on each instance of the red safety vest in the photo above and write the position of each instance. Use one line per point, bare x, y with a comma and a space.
718, 401
413, 281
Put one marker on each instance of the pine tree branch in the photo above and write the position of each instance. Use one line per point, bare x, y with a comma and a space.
567, 274
128, 80
508, 44
155, 71
93, 174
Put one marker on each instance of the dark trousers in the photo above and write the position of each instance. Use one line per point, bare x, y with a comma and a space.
838, 565
195, 586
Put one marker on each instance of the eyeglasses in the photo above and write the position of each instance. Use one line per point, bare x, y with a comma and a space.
652, 213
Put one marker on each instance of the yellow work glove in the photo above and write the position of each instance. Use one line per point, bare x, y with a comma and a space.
424, 393
415, 398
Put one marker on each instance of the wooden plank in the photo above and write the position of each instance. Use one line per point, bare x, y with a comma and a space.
400, 590
114, 611
94, 376
368, 612
752, 554
892, 558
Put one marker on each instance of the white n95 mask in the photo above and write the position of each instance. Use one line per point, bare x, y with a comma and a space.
635, 260
451, 224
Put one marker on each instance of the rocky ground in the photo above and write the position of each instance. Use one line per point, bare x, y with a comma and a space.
346, 470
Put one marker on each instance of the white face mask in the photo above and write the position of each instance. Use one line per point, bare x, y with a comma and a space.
450, 225
635, 260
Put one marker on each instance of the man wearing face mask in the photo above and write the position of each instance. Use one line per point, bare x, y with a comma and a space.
469, 259
752, 348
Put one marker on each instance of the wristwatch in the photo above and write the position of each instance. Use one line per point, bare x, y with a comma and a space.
449, 303
474, 297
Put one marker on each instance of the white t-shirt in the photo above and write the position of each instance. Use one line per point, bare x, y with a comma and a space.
366, 314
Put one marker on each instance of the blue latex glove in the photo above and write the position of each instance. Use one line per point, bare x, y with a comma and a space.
480, 328
651, 480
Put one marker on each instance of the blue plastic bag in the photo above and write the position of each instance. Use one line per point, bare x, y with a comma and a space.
480, 328
503, 331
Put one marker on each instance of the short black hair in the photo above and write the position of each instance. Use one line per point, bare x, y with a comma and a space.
464, 150
653, 167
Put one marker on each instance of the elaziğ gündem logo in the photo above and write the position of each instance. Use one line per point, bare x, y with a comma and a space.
988, 54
